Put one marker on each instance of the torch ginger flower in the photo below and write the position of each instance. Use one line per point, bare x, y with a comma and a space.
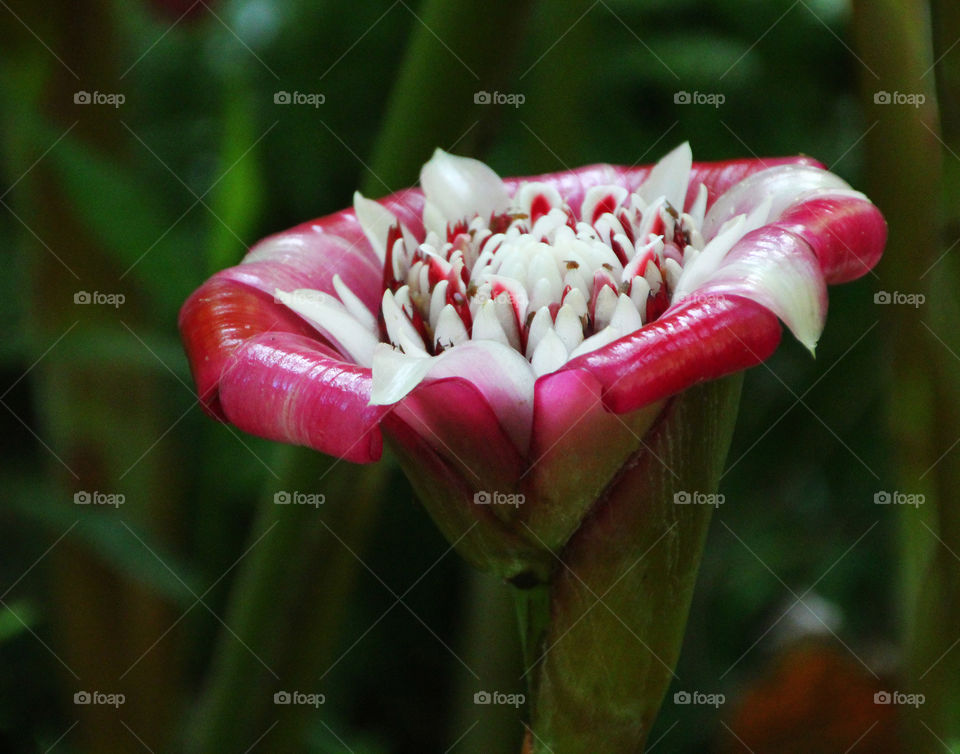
521, 335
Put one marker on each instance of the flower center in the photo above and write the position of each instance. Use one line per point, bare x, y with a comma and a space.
538, 278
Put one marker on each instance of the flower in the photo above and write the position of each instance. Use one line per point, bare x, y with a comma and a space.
519, 336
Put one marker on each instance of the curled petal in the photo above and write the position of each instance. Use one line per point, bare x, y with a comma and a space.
845, 232
781, 186
778, 270
293, 389
701, 339
216, 319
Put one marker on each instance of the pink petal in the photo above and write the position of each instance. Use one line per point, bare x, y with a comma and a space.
216, 319
577, 447
453, 417
291, 388
846, 233
700, 340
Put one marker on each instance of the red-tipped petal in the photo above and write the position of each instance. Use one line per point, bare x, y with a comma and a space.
293, 389
699, 341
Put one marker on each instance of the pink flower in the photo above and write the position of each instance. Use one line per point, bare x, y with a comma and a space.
502, 333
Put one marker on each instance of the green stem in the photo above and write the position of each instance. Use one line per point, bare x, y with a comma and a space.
905, 162
620, 595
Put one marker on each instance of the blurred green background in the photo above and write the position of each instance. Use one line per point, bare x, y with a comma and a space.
812, 597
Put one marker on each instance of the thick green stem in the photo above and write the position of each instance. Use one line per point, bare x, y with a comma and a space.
905, 162
620, 593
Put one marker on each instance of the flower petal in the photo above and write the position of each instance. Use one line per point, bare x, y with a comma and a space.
778, 270
781, 185
502, 376
291, 388
333, 320
461, 187
846, 233
701, 339
216, 319
669, 178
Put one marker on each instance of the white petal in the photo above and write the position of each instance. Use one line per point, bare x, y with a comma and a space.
438, 301
462, 187
639, 293
400, 330
568, 327
626, 318
449, 329
604, 308
358, 310
334, 321
669, 178
539, 326
486, 325
502, 375
576, 301
549, 355
709, 260
376, 221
